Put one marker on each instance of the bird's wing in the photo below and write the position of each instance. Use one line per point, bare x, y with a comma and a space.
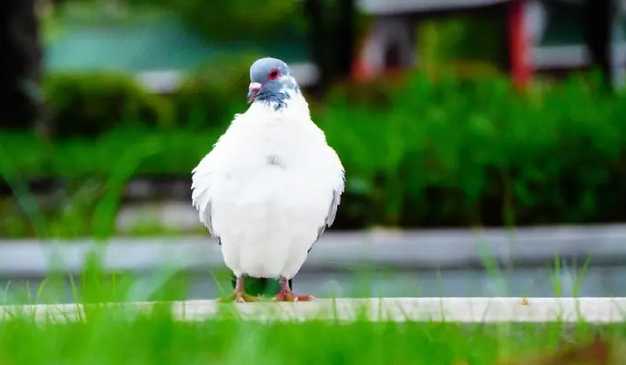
334, 203
205, 174
201, 192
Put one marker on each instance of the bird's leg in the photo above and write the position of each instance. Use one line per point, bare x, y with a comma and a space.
239, 295
285, 294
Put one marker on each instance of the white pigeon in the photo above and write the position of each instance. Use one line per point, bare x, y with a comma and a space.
271, 184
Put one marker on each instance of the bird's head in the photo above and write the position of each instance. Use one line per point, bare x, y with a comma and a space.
271, 81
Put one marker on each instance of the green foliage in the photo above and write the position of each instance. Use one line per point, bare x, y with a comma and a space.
91, 176
476, 152
109, 326
464, 45
213, 94
461, 37
151, 335
236, 19
418, 153
60, 15
89, 104
174, 152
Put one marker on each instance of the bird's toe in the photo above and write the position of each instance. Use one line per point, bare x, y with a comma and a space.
239, 298
245, 298
303, 298
290, 297
283, 298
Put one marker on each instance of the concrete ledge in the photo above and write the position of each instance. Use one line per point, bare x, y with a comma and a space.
461, 310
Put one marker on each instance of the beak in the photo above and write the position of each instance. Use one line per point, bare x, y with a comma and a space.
253, 91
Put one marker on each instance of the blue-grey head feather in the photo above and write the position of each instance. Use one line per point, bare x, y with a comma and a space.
273, 92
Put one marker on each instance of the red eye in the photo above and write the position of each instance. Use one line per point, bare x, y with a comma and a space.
273, 75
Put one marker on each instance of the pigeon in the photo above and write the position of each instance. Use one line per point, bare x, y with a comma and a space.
270, 185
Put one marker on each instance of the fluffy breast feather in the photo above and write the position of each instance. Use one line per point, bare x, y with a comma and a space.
241, 155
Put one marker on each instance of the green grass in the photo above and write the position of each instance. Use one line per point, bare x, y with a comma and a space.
117, 337
122, 335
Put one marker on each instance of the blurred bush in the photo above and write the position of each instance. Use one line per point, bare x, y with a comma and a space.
475, 38
247, 19
477, 153
172, 153
89, 104
417, 152
213, 94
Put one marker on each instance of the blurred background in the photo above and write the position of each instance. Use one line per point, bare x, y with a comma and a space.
484, 140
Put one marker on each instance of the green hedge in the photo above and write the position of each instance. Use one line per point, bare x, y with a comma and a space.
416, 154
463, 153
89, 104
162, 153
213, 94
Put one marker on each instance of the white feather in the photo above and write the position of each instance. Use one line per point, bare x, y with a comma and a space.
267, 216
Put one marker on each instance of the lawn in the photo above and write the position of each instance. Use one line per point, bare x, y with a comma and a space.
114, 336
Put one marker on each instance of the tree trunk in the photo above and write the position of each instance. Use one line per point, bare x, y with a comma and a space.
598, 17
331, 36
20, 101
317, 39
345, 29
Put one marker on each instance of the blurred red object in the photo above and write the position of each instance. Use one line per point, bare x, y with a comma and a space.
520, 49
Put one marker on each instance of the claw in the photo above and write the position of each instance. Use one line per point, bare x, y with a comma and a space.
283, 297
285, 294
239, 295
239, 298
245, 298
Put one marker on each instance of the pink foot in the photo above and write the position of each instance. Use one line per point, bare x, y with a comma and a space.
285, 294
